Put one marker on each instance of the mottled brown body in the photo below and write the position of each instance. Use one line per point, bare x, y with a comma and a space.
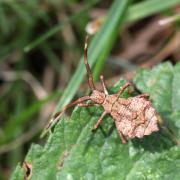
134, 116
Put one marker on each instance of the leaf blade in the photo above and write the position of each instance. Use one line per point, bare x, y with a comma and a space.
73, 151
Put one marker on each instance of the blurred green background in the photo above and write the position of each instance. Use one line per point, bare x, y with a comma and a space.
41, 43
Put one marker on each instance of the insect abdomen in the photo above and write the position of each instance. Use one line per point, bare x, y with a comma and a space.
134, 117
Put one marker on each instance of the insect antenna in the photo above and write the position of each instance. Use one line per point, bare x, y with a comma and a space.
88, 69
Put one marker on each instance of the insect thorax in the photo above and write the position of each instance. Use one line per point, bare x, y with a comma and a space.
109, 102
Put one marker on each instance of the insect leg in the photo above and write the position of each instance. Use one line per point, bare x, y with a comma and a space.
123, 88
55, 119
87, 105
145, 95
100, 120
123, 139
103, 84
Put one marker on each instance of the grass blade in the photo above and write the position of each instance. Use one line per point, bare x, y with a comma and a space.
148, 8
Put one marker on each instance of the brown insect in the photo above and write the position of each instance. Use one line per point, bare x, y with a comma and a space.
134, 116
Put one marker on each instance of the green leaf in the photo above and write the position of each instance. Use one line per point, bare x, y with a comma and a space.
18, 173
165, 165
158, 83
73, 151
